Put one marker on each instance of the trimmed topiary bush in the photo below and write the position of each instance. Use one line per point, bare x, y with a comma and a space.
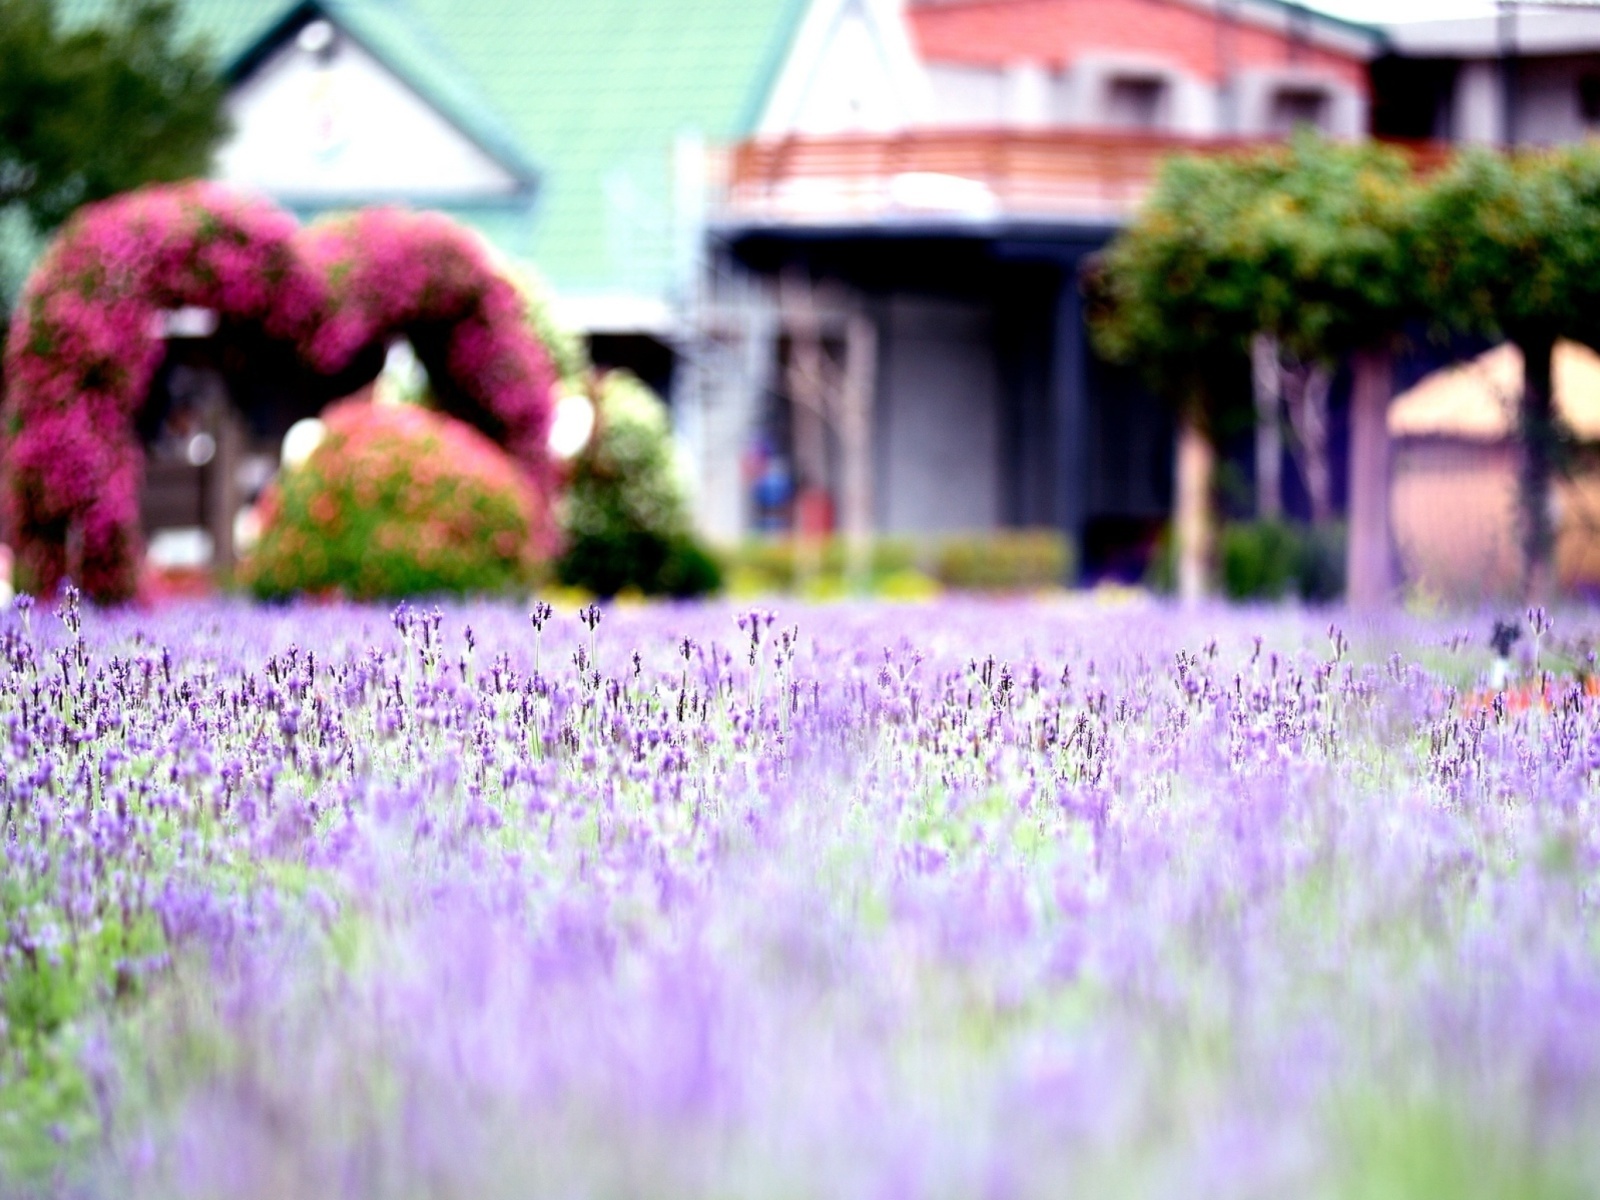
397, 501
626, 516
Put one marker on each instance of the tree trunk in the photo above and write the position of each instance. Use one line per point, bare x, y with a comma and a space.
1195, 463
1305, 398
1369, 553
1267, 377
1538, 435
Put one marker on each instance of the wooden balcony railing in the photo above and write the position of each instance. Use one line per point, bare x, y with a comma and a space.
1075, 175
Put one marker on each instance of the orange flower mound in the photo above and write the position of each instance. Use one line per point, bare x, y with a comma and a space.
397, 501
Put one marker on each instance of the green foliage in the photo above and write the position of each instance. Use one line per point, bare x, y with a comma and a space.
1266, 560
1331, 238
1332, 247
396, 501
1272, 560
46, 1100
87, 113
1014, 560
626, 517
1322, 562
1310, 241
781, 564
639, 560
1426, 1148
1510, 246
1259, 559
1172, 296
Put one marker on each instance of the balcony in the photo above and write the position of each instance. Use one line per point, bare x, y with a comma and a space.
1078, 177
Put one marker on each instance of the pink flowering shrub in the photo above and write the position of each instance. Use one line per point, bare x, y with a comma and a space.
397, 501
389, 272
85, 346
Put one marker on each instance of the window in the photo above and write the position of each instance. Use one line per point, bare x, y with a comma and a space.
1136, 102
1293, 107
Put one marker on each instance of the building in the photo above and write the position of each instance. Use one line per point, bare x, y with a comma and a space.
941, 262
1195, 69
1454, 488
1527, 76
845, 236
577, 137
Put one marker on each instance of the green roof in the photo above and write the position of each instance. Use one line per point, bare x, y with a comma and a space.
591, 95
599, 91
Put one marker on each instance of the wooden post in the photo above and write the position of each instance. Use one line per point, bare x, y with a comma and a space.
1194, 465
222, 488
1369, 552
855, 438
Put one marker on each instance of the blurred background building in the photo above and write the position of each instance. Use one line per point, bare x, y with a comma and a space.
844, 236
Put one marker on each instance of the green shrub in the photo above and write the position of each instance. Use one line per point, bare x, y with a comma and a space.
626, 518
1002, 560
783, 563
1260, 560
1005, 561
1161, 572
1322, 558
640, 560
396, 501
1269, 560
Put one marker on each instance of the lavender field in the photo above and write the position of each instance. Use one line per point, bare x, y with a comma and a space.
990, 900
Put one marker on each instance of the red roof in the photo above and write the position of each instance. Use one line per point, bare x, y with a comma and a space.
1057, 32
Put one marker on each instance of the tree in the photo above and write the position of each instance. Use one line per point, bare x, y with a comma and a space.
1510, 247
89, 112
1173, 297
1302, 252
1330, 242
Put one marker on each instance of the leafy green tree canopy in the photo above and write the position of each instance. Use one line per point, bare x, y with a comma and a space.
1310, 241
1172, 296
88, 112
1492, 264
1328, 240
1510, 247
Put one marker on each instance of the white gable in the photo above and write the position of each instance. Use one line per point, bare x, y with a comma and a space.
851, 67
340, 126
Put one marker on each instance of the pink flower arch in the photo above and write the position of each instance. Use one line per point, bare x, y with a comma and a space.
393, 272
85, 345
